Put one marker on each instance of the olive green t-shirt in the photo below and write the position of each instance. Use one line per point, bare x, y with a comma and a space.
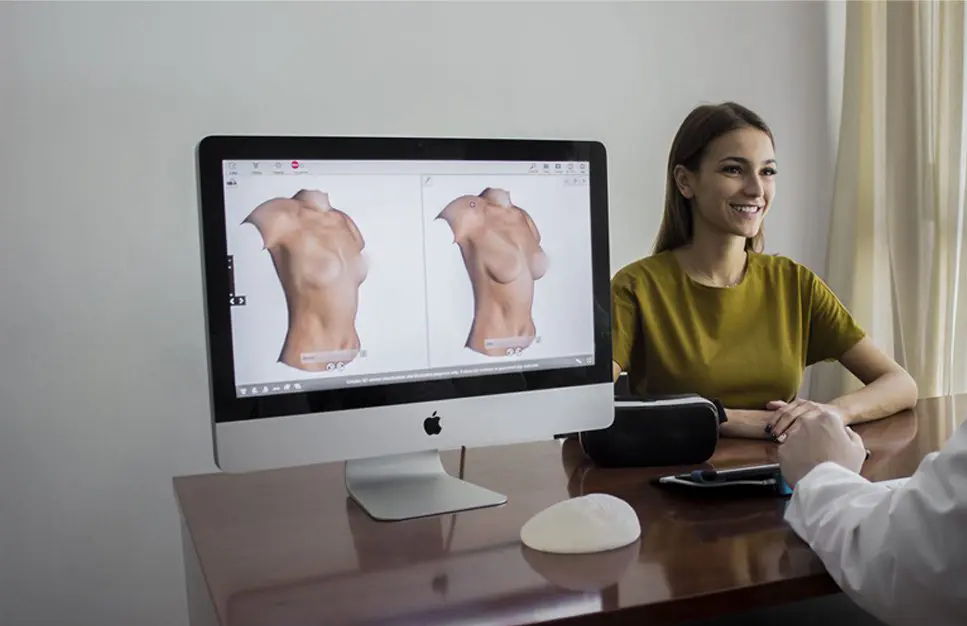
744, 346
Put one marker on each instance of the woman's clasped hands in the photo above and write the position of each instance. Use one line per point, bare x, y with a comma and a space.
787, 414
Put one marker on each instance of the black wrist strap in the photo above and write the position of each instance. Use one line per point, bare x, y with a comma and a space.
721, 411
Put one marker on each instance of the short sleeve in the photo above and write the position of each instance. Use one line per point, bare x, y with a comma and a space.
832, 329
625, 319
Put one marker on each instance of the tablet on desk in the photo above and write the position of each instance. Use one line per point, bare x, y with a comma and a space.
766, 478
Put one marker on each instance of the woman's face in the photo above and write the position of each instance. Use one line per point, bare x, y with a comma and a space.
735, 184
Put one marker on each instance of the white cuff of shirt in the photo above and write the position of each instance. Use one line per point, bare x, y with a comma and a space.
826, 470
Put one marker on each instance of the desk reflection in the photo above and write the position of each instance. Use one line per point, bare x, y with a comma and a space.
686, 537
382, 545
897, 445
288, 546
583, 572
745, 540
419, 579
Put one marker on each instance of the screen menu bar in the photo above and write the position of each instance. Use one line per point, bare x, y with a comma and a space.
320, 384
295, 167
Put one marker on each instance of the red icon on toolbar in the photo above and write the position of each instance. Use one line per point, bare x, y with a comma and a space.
295, 165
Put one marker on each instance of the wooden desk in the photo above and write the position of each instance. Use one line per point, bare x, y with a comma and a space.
289, 547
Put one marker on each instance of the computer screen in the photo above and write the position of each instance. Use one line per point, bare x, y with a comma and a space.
353, 273
375, 300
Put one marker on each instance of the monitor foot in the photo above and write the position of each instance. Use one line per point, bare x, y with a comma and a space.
407, 486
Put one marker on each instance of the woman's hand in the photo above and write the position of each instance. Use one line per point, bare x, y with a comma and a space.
747, 424
788, 413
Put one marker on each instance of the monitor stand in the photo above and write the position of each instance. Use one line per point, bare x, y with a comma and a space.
406, 486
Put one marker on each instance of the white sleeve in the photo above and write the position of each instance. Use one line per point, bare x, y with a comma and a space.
899, 554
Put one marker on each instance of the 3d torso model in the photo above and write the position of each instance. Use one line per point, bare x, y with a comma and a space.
501, 249
317, 252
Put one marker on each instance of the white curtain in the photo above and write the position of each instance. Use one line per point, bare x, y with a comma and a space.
897, 253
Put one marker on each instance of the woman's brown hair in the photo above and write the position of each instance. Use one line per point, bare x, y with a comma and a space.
703, 125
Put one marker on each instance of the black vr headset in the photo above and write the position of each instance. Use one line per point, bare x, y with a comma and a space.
652, 431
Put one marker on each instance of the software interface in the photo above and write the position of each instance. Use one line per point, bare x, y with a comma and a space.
355, 273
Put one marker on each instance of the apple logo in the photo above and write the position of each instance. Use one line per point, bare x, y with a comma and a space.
431, 425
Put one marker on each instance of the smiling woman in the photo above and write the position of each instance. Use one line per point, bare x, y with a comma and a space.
709, 313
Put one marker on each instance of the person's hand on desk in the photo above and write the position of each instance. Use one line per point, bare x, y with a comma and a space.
772, 423
747, 424
816, 439
786, 414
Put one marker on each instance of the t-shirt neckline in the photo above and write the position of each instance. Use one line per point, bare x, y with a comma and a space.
750, 258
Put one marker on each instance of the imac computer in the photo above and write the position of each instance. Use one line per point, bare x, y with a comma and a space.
377, 300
